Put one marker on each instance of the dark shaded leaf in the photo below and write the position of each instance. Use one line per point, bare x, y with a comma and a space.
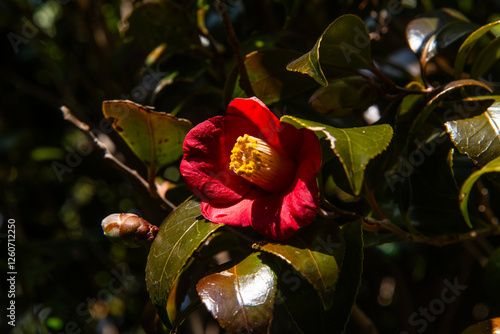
420, 30
355, 147
467, 45
180, 235
269, 77
241, 298
316, 252
155, 137
490, 326
491, 279
488, 57
345, 44
343, 96
492, 166
303, 303
155, 23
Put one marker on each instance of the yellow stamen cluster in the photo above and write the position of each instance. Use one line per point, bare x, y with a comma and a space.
258, 162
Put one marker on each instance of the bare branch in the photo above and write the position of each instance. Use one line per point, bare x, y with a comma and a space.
110, 158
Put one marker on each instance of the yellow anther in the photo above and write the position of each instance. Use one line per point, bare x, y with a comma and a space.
258, 162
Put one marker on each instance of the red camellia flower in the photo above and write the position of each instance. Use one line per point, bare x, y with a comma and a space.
249, 168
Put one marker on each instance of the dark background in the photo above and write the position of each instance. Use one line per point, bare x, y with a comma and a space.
69, 276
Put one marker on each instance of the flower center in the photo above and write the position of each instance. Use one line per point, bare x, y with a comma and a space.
256, 161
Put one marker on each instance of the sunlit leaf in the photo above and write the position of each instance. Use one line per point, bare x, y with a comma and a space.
492, 166
420, 30
355, 147
270, 80
155, 137
241, 298
445, 36
488, 57
303, 303
180, 235
490, 326
316, 252
434, 102
468, 45
344, 44
478, 137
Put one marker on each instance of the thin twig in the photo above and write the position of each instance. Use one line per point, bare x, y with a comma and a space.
221, 6
439, 240
131, 173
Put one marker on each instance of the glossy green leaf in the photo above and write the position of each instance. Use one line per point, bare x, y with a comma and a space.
343, 96
488, 57
316, 252
492, 166
420, 30
434, 102
180, 236
241, 298
355, 147
269, 78
490, 326
304, 305
478, 137
155, 23
467, 46
155, 137
345, 43
445, 36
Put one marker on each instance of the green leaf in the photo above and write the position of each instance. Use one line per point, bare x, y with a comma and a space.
445, 36
241, 298
355, 147
303, 303
316, 252
478, 137
421, 30
492, 166
180, 236
269, 78
345, 43
155, 23
155, 137
434, 102
490, 326
468, 44
488, 57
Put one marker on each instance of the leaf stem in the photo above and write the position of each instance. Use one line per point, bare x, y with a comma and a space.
110, 158
222, 8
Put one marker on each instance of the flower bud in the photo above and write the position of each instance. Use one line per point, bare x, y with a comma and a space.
129, 230
343, 96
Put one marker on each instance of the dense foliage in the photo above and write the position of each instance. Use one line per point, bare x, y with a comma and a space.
386, 116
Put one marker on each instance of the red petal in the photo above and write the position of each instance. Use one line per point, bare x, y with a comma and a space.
236, 214
278, 216
207, 152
